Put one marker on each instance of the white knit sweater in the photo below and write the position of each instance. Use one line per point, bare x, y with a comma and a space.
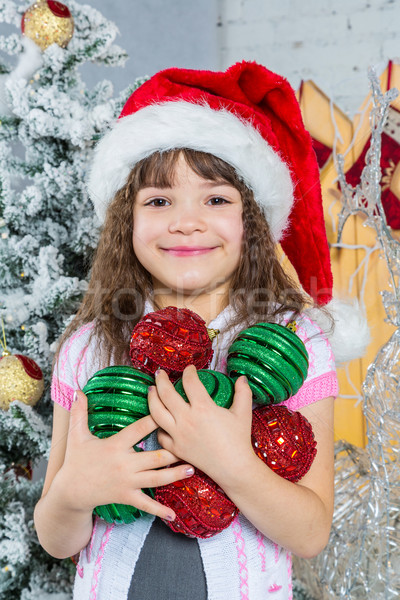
239, 563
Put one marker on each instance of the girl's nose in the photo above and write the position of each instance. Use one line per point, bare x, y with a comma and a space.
187, 221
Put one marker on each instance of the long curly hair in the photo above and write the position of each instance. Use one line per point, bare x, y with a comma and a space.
119, 285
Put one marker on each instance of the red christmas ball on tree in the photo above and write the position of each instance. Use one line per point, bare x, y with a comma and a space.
284, 441
170, 339
202, 508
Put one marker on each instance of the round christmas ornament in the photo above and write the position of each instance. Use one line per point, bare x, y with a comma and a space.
22, 470
284, 441
219, 387
273, 358
48, 22
170, 339
20, 379
202, 509
117, 397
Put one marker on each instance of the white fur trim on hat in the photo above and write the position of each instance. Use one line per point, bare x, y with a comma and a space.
177, 124
350, 335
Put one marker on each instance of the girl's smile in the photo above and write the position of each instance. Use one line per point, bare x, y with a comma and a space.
188, 236
188, 250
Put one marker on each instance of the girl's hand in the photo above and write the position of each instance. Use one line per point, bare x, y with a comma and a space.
214, 439
102, 471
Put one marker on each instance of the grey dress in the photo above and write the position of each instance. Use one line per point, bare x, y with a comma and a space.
169, 567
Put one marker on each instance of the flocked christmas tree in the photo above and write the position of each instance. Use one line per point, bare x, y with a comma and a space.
49, 124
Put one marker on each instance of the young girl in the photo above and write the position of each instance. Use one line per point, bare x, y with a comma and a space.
196, 183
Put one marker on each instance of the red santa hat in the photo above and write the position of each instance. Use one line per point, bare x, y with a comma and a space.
249, 117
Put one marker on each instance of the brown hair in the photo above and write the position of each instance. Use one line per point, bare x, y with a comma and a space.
261, 290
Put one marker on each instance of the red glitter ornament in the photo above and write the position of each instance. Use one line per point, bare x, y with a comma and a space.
202, 508
170, 339
284, 440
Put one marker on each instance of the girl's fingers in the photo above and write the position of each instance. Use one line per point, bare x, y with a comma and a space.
167, 393
243, 398
160, 409
193, 387
153, 479
134, 433
144, 502
78, 420
153, 459
164, 439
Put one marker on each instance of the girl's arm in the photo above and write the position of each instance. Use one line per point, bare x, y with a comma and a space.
84, 472
297, 516
61, 531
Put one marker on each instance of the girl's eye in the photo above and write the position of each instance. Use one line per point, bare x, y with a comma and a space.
157, 202
218, 201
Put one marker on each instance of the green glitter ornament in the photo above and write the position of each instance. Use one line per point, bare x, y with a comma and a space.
117, 397
273, 358
219, 387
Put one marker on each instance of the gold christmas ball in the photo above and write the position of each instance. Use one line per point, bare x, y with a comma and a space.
48, 22
20, 379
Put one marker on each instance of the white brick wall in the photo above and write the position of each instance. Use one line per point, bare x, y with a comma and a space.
330, 41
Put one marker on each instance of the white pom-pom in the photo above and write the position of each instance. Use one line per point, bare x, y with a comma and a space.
350, 335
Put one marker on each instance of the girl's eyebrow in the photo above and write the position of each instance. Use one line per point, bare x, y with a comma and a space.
207, 183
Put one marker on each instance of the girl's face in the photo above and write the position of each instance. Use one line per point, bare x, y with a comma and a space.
189, 236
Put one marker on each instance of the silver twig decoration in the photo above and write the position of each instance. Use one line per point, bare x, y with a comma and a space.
362, 559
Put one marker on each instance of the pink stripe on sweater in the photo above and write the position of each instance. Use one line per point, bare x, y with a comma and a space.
61, 393
289, 571
79, 568
261, 549
89, 547
242, 559
316, 389
78, 366
97, 568
70, 341
276, 552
